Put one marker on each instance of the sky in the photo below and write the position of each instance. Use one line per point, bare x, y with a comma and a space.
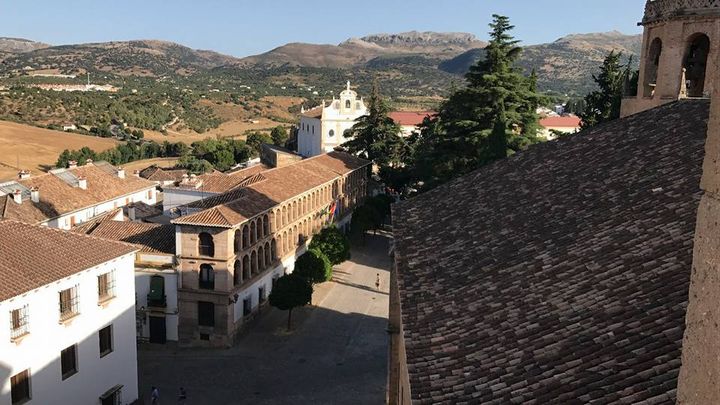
242, 28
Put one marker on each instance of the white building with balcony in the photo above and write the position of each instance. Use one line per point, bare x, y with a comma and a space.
67, 318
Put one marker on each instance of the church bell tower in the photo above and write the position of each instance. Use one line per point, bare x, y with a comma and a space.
679, 49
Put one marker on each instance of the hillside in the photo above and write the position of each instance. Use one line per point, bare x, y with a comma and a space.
563, 66
140, 58
19, 45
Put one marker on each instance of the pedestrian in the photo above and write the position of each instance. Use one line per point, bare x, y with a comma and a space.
182, 396
377, 282
154, 395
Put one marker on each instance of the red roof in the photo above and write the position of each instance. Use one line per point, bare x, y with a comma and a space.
410, 118
568, 121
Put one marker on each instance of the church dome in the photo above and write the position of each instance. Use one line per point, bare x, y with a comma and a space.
660, 10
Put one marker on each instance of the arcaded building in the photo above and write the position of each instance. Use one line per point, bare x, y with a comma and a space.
231, 247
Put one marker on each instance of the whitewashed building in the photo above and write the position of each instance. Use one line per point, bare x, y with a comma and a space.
68, 197
325, 127
67, 316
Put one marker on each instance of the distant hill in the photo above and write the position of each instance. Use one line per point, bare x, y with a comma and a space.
565, 65
357, 51
141, 58
19, 45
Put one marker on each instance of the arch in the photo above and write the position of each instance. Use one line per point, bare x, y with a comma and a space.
246, 270
695, 64
273, 249
253, 232
295, 236
348, 104
237, 273
237, 241
284, 242
254, 262
206, 245
245, 236
652, 62
268, 254
206, 277
294, 211
284, 215
261, 258
260, 227
266, 225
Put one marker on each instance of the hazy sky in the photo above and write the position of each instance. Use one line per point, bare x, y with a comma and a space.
243, 27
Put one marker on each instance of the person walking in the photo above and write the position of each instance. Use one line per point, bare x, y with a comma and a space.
154, 396
182, 397
377, 282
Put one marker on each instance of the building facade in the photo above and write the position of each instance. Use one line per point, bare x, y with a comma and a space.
326, 127
232, 247
67, 306
678, 38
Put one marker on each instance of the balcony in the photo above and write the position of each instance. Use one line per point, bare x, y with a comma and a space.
156, 300
658, 10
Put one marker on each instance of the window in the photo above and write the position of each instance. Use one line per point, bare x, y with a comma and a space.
331, 133
206, 246
73, 221
106, 340
261, 294
156, 297
20, 387
247, 306
106, 286
68, 303
206, 313
347, 104
207, 277
113, 396
68, 362
150, 195
18, 322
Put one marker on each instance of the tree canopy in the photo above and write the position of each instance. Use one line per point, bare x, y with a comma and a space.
290, 291
333, 244
314, 266
603, 104
279, 135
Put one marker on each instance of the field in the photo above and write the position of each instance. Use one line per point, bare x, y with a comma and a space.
37, 149
142, 164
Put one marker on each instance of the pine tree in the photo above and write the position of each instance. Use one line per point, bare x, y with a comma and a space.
603, 105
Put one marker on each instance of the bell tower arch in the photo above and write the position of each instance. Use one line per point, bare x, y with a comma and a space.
678, 58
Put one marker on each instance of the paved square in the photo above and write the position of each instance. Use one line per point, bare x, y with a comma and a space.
336, 353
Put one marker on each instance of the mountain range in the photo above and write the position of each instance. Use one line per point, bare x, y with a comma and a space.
564, 66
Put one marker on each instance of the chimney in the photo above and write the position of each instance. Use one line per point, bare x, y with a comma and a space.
88, 162
121, 173
131, 212
17, 196
35, 194
23, 174
136, 173
72, 164
82, 182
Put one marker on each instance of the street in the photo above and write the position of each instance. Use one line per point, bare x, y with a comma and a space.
336, 352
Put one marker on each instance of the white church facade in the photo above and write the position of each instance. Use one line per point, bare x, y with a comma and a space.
325, 127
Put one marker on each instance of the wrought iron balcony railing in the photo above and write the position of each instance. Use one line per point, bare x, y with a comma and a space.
657, 10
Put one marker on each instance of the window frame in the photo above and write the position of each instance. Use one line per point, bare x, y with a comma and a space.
74, 370
19, 324
109, 339
210, 322
71, 304
108, 289
206, 277
27, 389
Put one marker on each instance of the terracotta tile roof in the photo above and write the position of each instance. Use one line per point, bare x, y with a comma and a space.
315, 112
86, 227
32, 256
58, 197
410, 118
559, 275
567, 121
150, 238
154, 173
278, 185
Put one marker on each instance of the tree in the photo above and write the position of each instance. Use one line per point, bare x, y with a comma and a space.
375, 136
255, 141
290, 291
459, 139
365, 218
603, 105
333, 244
381, 204
314, 266
498, 141
279, 135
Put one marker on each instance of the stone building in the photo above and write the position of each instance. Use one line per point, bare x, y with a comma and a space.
231, 247
599, 282
679, 39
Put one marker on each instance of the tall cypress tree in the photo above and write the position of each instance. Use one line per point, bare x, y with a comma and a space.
604, 104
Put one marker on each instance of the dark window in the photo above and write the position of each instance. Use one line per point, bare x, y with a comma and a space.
204, 336
261, 293
207, 277
18, 322
106, 344
247, 306
156, 297
206, 313
331, 133
106, 286
112, 397
206, 246
68, 303
347, 104
68, 361
20, 387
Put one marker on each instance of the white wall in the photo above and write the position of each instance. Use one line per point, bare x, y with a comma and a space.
309, 142
64, 221
142, 288
40, 350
